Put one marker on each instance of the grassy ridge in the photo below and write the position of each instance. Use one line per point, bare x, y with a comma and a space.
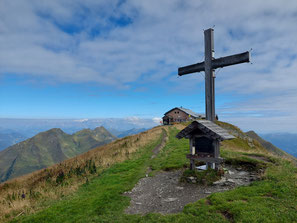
30, 193
100, 199
271, 200
173, 155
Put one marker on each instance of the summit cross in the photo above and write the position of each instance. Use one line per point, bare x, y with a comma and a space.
208, 66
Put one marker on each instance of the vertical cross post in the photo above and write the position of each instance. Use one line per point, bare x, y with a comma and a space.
209, 75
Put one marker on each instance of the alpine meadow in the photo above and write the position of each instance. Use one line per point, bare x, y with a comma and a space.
160, 111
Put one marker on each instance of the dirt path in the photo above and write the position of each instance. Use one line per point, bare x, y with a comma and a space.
157, 149
164, 193
261, 158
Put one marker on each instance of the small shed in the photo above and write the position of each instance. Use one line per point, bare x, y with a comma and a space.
204, 139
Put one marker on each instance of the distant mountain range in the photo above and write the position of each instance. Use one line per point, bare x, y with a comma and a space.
16, 130
285, 141
31, 127
48, 148
9, 137
121, 134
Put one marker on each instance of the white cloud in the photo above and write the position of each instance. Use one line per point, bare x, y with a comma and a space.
132, 119
81, 120
157, 120
162, 36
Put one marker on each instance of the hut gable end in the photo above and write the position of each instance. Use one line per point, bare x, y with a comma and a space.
208, 128
204, 141
177, 114
180, 114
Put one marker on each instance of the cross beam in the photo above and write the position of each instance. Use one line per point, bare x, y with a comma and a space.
216, 63
208, 66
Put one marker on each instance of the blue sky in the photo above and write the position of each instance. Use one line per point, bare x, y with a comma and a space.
102, 59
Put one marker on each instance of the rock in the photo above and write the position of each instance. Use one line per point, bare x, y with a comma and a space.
221, 181
230, 172
207, 192
179, 188
170, 199
241, 173
231, 181
192, 179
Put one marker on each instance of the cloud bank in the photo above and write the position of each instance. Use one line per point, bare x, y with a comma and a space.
121, 43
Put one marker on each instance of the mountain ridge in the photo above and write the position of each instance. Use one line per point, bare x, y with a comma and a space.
47, 148
268, 145
285, 140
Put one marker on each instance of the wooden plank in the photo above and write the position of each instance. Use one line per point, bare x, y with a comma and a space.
231, 60
216, 63
216, 149
209, 75
198, 67
205, 159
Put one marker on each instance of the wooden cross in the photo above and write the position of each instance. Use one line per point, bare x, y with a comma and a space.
208, 66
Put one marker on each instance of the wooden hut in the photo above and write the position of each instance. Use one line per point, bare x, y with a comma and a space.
180, 114
204, 139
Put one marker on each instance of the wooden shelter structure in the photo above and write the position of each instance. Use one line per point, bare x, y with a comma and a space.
180, 114
205, 137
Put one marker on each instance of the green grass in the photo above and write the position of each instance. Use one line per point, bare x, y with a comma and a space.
100, 199
271, 200
173, 155
242, 160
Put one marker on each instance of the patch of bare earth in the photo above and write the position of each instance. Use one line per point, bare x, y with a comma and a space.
164, 193
261, 158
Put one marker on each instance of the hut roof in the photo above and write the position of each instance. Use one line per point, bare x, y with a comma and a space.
208, 128
188, 111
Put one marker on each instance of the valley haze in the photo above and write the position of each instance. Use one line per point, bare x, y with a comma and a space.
30, 127
16, 130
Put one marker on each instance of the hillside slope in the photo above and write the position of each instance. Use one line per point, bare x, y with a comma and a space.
33, 191
48, 148
285, 141
269, 146
91, 187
